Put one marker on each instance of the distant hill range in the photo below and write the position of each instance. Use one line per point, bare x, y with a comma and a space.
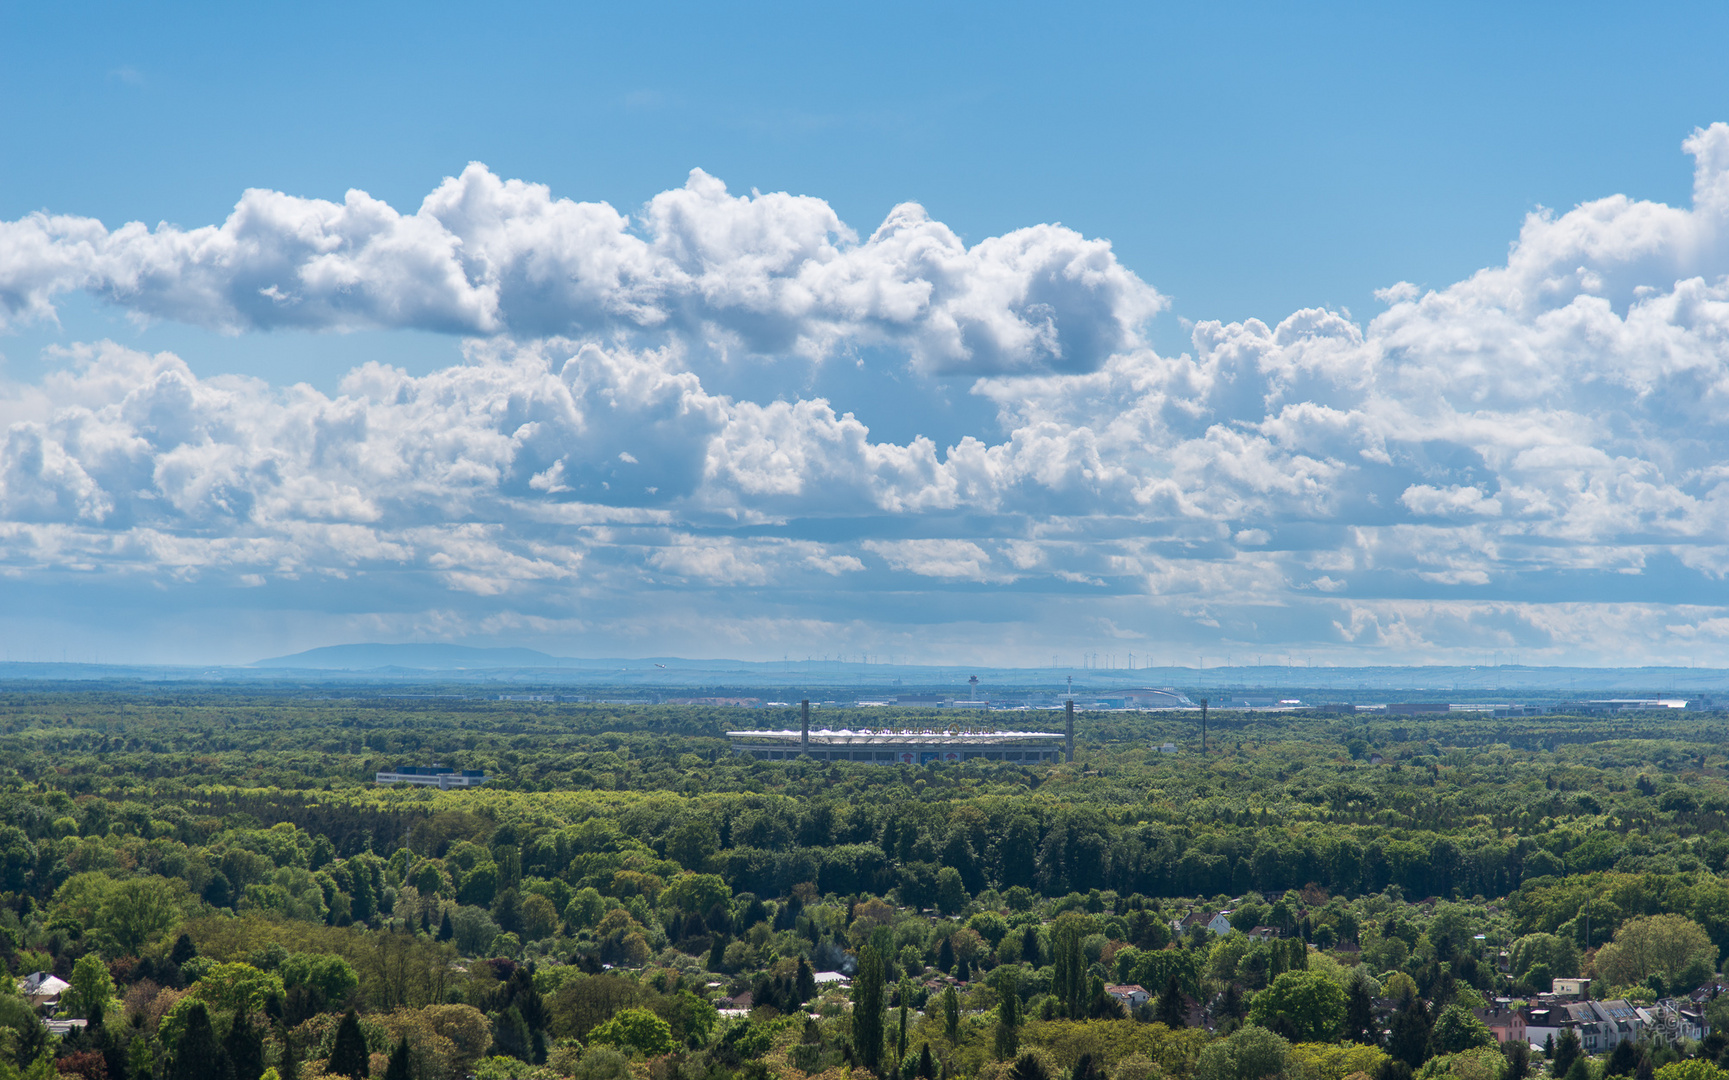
434, 657
515, 670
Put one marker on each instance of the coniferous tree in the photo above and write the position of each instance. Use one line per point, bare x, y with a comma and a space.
806, 981
1087, 1068
399, 1069
1028, 1067
183, 950
1518, 1055
511, 1036
1622, 1060
445, 930
946, 956
951, 1013
1100, 1005
348, 1056
927, 1069
1360, 1015
197, 1056
1409, 1038
288, 1068
1231, 1002
962, 971
1173, 1010
1567, 1051
244, 1047
1030, 946
113, 1052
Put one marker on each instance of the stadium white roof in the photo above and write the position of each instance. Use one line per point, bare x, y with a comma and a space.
904, 737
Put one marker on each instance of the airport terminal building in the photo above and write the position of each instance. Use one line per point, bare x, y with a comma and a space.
892, 746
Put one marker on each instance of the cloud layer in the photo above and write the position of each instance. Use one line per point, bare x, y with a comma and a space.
1532, 460
769, 273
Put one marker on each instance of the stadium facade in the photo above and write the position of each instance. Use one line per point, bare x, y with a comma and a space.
901, 746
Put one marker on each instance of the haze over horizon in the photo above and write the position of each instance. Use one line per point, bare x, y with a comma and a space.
1339, 359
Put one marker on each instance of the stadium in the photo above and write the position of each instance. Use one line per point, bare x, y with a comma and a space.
901, 746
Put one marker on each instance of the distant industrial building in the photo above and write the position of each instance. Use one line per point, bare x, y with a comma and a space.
1494, 708
1614, 705
886, 746
437, 776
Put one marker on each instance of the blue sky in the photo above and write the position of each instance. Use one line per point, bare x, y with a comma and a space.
1366, 334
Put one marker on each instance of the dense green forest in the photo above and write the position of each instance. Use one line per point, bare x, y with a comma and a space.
230, 896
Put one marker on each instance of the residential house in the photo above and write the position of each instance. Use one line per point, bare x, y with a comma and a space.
1539, 1036
1710, 990
1219, 923
42, 988
1131, 995
1596, 1033
1571, 988
1679, 1019
1603, 1025
1264, 933
1503, 1022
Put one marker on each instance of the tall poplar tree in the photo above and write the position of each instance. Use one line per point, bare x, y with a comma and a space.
906, 996
867, 1011
1008, 986
1069, 963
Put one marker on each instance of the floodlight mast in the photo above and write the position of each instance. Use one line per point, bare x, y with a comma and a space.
1069, 717
1203, 727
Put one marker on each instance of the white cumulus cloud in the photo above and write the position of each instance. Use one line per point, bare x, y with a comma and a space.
775, 273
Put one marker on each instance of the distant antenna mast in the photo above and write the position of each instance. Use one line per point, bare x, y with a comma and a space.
1203, 727
804, 728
